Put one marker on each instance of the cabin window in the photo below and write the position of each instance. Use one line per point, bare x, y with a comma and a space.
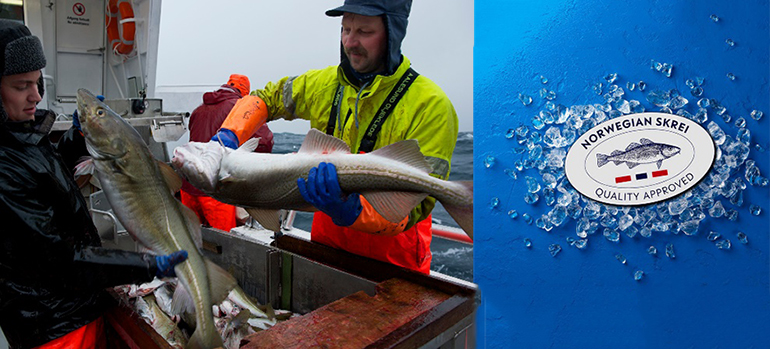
12, 9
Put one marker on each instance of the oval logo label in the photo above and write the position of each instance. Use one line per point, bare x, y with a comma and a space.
639, 159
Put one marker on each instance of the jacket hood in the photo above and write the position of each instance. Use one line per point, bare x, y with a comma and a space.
395, 14
222, 94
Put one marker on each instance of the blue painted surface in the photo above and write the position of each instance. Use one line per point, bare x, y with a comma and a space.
705, 297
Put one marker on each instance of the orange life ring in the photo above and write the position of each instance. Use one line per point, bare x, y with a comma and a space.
121, 38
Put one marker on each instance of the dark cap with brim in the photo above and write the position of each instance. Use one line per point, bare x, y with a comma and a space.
398, 8
364, 10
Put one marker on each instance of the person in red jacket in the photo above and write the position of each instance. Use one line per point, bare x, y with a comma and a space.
205, 120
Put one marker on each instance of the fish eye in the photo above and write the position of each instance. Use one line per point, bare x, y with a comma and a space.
100, 112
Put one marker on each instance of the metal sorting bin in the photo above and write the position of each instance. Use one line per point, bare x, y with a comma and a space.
292, 273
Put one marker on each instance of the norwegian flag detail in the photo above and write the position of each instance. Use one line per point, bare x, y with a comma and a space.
641, 176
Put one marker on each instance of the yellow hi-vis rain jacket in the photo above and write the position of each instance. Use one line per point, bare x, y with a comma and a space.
424, 114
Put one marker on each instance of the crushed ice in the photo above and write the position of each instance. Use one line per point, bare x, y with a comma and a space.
542, 147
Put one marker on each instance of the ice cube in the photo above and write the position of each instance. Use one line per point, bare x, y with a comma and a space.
554, 249
494, 203
723, 244
670, 251
489, 161
532, 184
525, 99
611, 235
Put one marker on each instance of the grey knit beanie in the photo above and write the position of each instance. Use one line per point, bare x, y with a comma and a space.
20, 52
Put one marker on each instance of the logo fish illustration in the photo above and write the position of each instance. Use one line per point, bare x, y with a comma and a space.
636, 154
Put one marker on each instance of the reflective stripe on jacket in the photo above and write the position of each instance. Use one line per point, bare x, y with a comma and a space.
424, 114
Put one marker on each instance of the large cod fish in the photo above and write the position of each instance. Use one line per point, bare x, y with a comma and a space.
644, 152
139, 189
394, 179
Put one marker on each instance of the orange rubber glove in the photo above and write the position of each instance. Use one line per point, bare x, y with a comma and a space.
247, 115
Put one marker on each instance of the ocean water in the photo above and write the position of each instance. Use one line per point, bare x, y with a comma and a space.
449, 257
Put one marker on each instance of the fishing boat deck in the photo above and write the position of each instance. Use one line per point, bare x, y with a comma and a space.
345, 301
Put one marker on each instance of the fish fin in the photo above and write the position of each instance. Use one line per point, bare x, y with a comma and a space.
220, 282
317, 142
601, 159
394, 205
182, 301
239, 297
631, 164
173, 181
268, 219
95, 182
193, 224
269, 311
616, 152
660, 162
85, 166
407, 152
250, 145
462, 214
631, 146
646, 141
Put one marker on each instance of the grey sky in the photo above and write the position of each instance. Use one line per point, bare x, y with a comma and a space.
203, 42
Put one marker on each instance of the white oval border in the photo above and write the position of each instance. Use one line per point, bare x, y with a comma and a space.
581, 180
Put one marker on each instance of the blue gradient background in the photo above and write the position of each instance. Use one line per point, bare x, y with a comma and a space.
706, 297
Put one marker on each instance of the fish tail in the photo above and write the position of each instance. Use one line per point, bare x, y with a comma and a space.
463, 214
601, 159
204, 338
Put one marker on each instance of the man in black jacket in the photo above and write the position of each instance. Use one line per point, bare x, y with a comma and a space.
53, 273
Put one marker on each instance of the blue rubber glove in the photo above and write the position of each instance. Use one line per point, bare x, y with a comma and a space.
227, 137
166, 263
76, 120
322, 190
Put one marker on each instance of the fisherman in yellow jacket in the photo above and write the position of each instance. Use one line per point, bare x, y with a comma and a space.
373, 98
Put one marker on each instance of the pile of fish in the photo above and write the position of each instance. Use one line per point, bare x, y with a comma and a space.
233, 320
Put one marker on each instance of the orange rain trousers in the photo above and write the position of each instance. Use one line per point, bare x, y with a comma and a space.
90, 336
409, 249
210, 211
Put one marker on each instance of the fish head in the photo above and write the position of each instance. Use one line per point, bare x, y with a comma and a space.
670, 150
199, 163
103, 129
